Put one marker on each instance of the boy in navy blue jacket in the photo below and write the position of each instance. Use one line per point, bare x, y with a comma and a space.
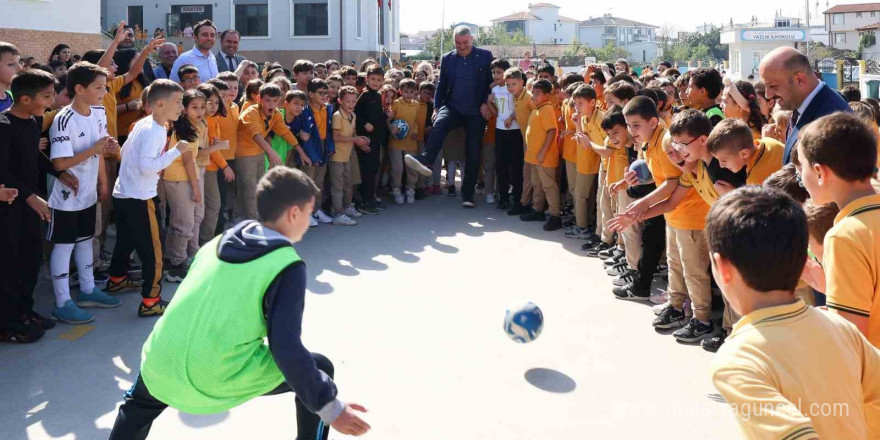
315, 134
372, 122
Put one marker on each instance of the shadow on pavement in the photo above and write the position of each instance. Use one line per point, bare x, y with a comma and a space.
550, 380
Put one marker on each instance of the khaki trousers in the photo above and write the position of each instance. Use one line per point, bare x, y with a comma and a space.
584, 211
179, 196
316, 173
631, 237
686, 255
605, 211
248, 171
527, 184
198, 215
545, 190
340, 186
211, 196
398, 168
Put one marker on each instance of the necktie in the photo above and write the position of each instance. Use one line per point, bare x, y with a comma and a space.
231, 62
795, 115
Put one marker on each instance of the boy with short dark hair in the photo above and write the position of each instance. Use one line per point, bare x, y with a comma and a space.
135, 197
317, 141
245, 286
189, 76
507, 135
732, 143
303, 73
543, 154
703, 89
587, 119
774, 369
255, 125
79, 137
9, 66
372, 122
21, 164
349, 76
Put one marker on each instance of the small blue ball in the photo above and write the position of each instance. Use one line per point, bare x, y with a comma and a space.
523, 322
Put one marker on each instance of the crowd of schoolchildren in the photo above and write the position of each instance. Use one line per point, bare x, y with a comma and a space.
629, 164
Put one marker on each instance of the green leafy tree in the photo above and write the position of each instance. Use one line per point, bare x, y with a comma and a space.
433, 46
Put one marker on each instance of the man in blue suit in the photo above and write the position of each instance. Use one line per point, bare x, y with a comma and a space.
460, 100
790, 79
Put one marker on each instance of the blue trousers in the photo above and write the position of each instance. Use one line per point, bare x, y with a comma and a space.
448, 118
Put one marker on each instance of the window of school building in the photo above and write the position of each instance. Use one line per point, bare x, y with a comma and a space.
310, 18
182, 16
252, 17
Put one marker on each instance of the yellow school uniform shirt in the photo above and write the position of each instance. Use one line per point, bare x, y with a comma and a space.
113, 87
662, 170
253, 123
321, 117
782, 366
701, 182
852, 262
216, 160
766, 160
523, 107
617, 163
408, 111
229, 130
542, 120
247, 104
127, 118
176, 172
569, 145
345, 126
422, 121
587, 159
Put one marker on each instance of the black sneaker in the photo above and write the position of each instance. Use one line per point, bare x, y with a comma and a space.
613, 260
379, 205
694, 331
22, 332
630, 276
101, 277
517, 209
568, 223
595, 250
158, 309
481, 186
618, 269
554, 223
633, 292
502, 205
450, 191
610, 252
420, 194
714, 343
669, 318
533, 216
176, 274
367, 209
37, 318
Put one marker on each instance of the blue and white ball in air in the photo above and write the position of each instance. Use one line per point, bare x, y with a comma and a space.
523, 322
402, 128
642, 171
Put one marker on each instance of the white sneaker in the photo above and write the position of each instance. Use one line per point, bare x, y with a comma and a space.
352, 212
397, 195
322, 217
344, 220
313, 222
490, 199
410, 196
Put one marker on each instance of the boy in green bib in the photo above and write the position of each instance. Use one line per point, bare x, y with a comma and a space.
207, 353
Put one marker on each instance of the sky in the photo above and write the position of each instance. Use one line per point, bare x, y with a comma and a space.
683, 15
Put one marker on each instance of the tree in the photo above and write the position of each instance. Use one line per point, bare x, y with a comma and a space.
692, 46
498, 36
444, 37
866, 40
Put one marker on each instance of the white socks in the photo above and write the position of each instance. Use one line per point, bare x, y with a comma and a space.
59, 267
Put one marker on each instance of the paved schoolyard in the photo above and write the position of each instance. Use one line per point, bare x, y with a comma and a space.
409, 307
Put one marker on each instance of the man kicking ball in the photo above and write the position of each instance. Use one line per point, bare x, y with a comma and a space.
207, 355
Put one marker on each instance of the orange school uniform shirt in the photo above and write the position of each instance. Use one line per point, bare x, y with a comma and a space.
109, 103
217, 161
253, 123
407, 111
127, 118
321, 118
690, 214
587, 159
542, 120
569, 145
422, 120
523, 107
229, 130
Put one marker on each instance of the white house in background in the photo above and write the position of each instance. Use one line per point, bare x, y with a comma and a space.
843, 22
748, 44
639, 39
277, 30
542, 23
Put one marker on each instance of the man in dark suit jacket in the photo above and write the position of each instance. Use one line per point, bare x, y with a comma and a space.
460, 100
228, 58
790, 79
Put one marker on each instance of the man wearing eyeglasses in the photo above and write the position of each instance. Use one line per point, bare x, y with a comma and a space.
200, 55
791, 81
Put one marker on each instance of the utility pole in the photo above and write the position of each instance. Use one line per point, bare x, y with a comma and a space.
442, 27
807, 4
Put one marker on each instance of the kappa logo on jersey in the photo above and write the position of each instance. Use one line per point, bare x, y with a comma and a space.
65, 194
61, 139
82, 134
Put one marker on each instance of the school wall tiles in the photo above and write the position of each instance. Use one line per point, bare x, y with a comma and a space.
39, 44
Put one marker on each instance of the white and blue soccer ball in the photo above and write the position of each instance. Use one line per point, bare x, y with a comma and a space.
523, 322
402, 128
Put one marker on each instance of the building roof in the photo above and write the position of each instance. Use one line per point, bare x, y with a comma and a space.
518, 16
869, 27
863, 7
542, 5
608, 20
567, 19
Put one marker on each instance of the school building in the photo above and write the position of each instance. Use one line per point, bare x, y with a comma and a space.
277, 30
748, 43
34, 26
